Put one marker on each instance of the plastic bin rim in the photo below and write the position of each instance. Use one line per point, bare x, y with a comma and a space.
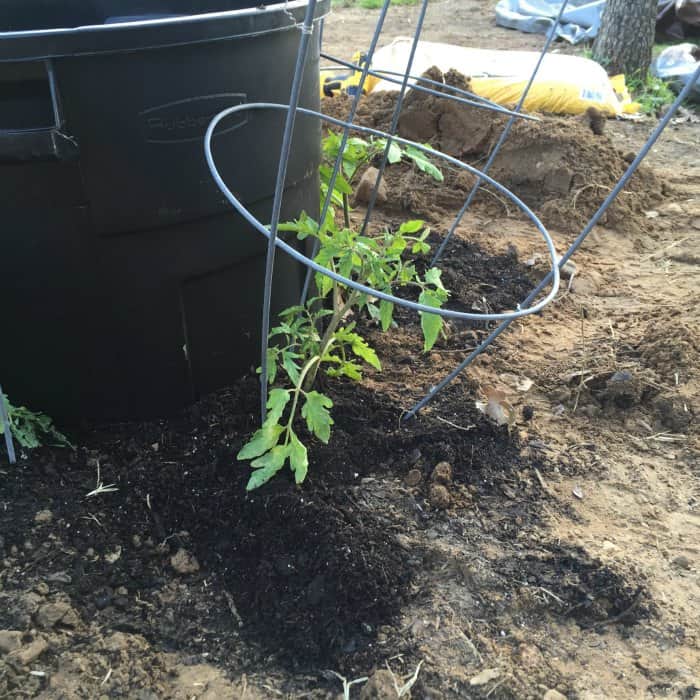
35, 44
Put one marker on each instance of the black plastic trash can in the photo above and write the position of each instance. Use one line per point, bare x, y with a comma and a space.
128, 287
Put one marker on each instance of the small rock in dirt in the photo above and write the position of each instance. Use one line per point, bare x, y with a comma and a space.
596, 120
442, 474
9, 641
59, 577
413, 478
440, 497
670, 209
558, 181
486, 676
365, 187
553, 695
673, 413
31, 652
629, 157
42, 588
183, 562
43, 516
379, 686
112, 557
623, 389
136, 541
528, 413
52, 614
578, 492
682, 562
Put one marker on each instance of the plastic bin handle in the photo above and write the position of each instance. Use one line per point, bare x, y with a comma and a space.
39, 144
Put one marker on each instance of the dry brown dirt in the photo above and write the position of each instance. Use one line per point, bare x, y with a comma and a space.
559, 558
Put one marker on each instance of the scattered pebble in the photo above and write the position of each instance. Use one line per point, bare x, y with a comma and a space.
363, 193
9, 641
578, 492
682, 562
554, 695
379, 686
183, 562
671, 208
31, 652
112, 557
413, 478
440, 497
596, 120
42, 588
51, 614
442, 473
486, 676
43, 516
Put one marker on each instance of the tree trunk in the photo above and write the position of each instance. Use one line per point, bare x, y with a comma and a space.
626, 36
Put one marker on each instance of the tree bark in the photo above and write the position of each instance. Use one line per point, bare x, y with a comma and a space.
626, 37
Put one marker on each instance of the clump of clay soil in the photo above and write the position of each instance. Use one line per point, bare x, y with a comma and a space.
671, 348
562, 169
459, 130
558, 166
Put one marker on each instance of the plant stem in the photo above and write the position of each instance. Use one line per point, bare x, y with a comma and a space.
297, 391
327, 339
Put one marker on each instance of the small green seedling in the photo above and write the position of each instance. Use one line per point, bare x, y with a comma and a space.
320, 337
32, 429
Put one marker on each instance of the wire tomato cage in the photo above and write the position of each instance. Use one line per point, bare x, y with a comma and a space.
535, 301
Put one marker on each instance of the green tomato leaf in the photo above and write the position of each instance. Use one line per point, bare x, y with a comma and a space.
263, 439
423, 163
318, 418
346, 368
298, 458
386, 313
434, 276
360, 347
290, 366
430, 323
412, 226
276, 401
267, 466
396, 246
395, 153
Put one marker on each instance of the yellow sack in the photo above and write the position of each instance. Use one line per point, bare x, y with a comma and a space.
563, 85
336, 80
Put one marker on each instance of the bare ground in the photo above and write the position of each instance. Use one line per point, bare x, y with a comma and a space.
564, 556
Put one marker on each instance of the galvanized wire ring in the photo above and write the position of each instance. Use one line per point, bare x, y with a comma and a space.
414, 306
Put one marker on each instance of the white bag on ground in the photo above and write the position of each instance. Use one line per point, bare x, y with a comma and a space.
564, 84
